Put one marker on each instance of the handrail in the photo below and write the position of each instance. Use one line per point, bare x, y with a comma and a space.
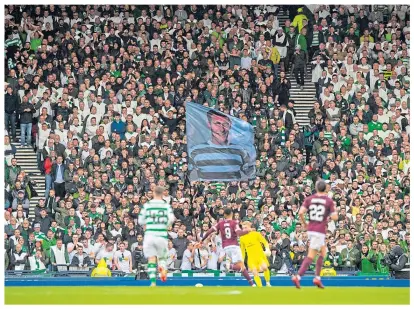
117, 273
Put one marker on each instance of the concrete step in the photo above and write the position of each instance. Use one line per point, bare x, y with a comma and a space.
27, 159
27, 162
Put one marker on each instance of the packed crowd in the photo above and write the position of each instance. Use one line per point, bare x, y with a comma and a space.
100, 91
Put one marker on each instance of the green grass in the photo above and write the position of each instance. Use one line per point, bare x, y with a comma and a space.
205, 295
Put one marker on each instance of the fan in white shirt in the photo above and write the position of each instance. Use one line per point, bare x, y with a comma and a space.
130, 132
129, 108
100, 106
47, 19
326, 96
155, 40
80, 98
203, 256
138, 117
172, 255
385, 132
91, 129
76, 128
42, 136
103, 152
83, 111
391, 111
188, 257
404, 108
147, 142
62, 132
206, 21
107, 254
323, 12
130, 19
117, 18
93, 114
75, 115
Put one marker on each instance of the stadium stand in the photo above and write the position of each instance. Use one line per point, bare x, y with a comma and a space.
88, 90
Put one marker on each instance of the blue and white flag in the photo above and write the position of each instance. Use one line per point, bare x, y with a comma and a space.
220, 147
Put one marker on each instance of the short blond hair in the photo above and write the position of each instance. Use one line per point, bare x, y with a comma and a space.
248, 223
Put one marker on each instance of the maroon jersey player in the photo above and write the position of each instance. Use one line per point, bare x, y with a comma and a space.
319, 207
229, 230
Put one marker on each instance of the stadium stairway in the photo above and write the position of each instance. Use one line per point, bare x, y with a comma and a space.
26, 158
303, 98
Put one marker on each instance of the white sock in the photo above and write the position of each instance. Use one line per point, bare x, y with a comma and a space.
298, 277
317, 277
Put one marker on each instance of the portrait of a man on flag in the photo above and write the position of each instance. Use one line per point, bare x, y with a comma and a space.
220, 147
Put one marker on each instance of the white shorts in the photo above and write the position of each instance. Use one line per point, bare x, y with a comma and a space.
155, 246
234, 254
317, 240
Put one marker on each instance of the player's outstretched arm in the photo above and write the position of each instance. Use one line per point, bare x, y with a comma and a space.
209, 232
240, 233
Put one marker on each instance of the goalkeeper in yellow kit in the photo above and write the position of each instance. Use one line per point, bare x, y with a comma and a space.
257, 258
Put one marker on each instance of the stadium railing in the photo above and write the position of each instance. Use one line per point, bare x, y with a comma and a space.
176, 273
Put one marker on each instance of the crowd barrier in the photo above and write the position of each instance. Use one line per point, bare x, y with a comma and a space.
20, 280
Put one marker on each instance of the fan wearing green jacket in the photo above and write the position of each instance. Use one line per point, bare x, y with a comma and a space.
284, 228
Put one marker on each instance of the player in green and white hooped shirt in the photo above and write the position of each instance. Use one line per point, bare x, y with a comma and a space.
157, 215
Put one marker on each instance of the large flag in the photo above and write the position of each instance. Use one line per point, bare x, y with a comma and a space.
220, 147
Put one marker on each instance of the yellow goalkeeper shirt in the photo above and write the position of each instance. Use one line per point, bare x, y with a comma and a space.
252, 244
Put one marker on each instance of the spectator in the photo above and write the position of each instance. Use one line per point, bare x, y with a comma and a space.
275, 261
11, 105
188, 257
299, 19
58, 171
180, 245
37, 261
299, 62
201, 257
350, 256
18, 258
12, 172
21, 199
216, 257
107, 255
80, 260
59, 256
368, 260
298, 256
172, 256
26, 111
123, 259
9, 151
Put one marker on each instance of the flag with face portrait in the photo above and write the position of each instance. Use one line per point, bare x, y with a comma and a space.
220, 147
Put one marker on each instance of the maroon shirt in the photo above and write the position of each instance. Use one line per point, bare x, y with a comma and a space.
228, 231
319, 207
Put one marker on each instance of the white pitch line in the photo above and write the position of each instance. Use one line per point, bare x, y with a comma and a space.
234, 292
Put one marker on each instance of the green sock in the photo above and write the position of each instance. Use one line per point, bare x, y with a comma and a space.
152, 272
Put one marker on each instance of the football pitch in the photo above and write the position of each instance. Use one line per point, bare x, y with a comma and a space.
205, 295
